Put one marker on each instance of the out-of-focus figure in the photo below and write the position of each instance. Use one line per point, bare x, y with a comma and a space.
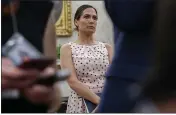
160, 90
144, 49
31, 19
133, 55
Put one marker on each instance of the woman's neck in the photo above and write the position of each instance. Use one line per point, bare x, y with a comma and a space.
85, 39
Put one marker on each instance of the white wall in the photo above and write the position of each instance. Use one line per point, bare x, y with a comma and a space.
103, 33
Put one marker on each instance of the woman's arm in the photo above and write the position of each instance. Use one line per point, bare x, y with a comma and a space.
74, 83
110, 52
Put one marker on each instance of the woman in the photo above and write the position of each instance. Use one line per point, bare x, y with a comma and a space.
88, 59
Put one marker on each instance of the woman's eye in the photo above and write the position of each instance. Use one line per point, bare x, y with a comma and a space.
95, 18
86, 16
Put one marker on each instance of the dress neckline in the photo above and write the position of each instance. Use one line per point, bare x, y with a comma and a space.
95, 44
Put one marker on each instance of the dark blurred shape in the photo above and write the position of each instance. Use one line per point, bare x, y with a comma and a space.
32, 17
133, 55
161, 86
160, 89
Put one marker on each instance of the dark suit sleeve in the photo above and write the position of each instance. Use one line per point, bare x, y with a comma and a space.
117, 96
131, 15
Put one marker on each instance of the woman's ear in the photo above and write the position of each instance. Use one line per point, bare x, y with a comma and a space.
76, 23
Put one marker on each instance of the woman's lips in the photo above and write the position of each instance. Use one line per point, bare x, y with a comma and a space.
92, 27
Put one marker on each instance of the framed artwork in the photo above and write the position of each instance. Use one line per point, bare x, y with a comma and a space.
63, 23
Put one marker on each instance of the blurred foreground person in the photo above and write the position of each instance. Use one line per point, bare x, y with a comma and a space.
31, 19
133, 55
160, 89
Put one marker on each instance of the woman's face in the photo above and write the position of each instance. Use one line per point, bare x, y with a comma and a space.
88, 21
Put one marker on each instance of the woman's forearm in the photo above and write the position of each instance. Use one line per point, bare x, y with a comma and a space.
85, 92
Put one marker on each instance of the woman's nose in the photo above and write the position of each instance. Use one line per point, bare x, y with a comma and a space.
91, 20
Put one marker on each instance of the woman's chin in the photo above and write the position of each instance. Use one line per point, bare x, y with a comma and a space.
90, 31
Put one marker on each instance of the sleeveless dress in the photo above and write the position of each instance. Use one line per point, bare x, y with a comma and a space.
91, 63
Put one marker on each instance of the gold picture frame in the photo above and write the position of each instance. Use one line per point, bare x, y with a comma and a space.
64, 23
